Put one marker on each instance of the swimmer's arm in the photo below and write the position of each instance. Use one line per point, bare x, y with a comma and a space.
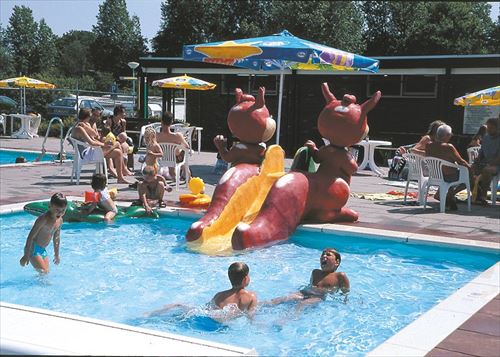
56, 241
39, 223
345, 286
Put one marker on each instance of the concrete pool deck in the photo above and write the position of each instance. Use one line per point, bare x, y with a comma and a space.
34, 182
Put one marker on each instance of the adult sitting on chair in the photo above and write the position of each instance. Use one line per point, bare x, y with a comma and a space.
117, 125
487, 164
442, 149
83, 131
166, 136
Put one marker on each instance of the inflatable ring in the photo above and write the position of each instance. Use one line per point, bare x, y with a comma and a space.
199, 200
74, 213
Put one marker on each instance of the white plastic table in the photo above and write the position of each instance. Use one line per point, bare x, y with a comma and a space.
368, 154
24, 132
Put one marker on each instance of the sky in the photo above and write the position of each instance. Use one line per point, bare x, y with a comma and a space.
65, 15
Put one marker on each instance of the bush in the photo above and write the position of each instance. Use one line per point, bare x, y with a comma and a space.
55, 128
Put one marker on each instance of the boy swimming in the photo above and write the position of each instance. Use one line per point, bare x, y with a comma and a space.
242, 300
46, 227
323, 281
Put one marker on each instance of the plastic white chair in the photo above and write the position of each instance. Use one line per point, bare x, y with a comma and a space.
169, 160
415, 173
187, 132
494, 188
2, 123
155, 126
435, 167
473, 153
78, 162
34, 125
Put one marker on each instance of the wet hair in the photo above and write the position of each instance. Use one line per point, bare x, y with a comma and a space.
98, 182
433, 127
337, 254
84, 114
236, 273
167, 118
59, 200
20, 160
119, 109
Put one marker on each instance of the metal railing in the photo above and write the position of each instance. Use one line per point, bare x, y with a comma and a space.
61, 150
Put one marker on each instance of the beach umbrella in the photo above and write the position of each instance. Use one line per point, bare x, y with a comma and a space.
23, 83
490, 97
183, 82
278, 52
6, 102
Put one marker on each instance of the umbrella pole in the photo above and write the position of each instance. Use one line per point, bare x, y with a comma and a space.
185, 106
24, 100
280, 98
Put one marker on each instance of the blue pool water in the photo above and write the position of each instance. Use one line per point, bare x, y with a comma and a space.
121, 271
9, 156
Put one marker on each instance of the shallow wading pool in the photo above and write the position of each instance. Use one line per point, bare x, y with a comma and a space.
121, 271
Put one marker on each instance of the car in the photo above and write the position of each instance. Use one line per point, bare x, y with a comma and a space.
64, 107
154, 110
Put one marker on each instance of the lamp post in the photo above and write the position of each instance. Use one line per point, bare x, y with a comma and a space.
133, 66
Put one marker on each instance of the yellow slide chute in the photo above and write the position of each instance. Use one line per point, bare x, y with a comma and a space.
243, 206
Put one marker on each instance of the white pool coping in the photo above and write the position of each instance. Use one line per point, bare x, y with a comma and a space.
426, 332
28, 330
32, 163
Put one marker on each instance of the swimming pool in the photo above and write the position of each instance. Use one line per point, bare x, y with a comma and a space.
9, 156
119, 272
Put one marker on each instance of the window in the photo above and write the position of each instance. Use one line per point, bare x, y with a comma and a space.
249, 83
259, 80
419, 86
390, 86
399, 86
230, 82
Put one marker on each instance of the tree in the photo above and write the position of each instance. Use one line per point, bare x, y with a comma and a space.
75, 52
494, 37
21, 38
426, 28
118, 38
6, 60
45, 54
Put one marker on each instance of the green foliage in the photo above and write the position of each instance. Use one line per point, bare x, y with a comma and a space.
426, 28
6, 61
45, 48
21, 36
118, 38
74, 48
494, 38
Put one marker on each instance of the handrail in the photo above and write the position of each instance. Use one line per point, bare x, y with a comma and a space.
61, 151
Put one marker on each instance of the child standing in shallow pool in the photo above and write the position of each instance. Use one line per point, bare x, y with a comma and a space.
46, 227
102, 198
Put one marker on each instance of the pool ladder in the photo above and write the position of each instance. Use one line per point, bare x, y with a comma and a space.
61, 150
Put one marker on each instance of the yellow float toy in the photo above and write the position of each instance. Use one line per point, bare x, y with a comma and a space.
196, 198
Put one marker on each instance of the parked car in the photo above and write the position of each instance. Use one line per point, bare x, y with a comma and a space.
66, 106
154, 110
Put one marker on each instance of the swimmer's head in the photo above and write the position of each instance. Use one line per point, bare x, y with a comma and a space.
330, 259
238, 275
58, 204
98, 182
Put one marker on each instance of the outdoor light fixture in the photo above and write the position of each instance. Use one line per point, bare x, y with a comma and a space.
133, 66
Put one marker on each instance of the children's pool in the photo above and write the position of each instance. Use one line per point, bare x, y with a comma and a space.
121, 271
9, 156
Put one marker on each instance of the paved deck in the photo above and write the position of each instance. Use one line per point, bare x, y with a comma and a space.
33, 182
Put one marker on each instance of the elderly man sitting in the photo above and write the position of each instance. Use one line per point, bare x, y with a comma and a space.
442, 149
488, 161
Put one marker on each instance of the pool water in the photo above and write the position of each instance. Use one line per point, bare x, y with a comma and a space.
9, 156
121, 271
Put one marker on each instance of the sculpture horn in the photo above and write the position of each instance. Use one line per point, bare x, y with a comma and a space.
329, 97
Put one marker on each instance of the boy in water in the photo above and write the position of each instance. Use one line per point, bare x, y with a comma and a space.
323, 281
237, 296
102, 198
46, 227
152, 189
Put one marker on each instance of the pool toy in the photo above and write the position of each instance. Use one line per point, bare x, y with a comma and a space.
196, 198
317, 197
91, 196
250, 122
74, 214
242, 207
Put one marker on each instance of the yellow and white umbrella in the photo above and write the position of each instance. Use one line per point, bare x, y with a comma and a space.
184, 82
25, 82
490, 97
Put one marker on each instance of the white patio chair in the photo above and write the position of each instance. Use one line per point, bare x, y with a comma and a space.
473, 153
2, 123
494, 188
435, 167
169, 160
34, 125
155, 126
187, 132
99, 160
415, 173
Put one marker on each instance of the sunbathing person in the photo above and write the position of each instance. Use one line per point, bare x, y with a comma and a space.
442, 149
83, 131
430, 136
323, 281
152, 189
235, 301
